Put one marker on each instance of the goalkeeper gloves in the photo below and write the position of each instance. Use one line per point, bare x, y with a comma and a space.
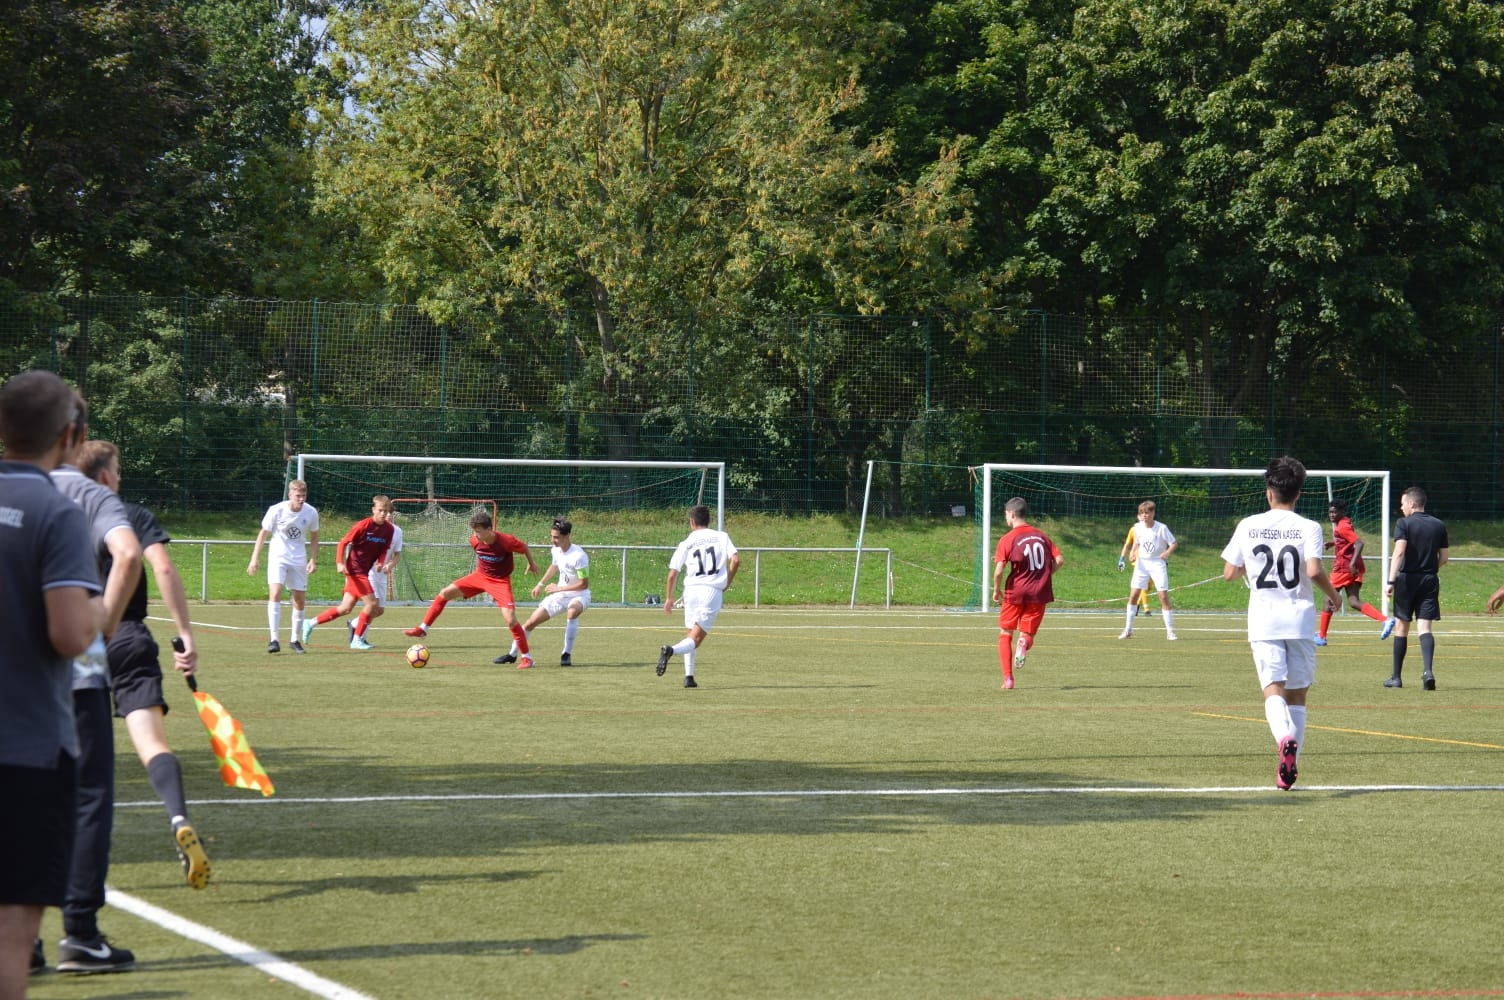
1121, 563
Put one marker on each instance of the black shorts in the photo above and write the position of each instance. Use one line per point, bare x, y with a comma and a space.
36, 832
135, 672
1417, 595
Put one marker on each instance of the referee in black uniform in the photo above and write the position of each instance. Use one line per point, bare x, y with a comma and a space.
1420, 549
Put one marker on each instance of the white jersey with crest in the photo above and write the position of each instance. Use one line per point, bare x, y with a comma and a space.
289, 530
573, 564
1152, 540
1273, 548
702, 557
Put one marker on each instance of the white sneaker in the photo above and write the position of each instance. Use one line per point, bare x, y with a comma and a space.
1170, 634
1127, 634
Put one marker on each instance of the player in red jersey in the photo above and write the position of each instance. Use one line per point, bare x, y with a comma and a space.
358, 553
493, 575
1034, 560
1347, 570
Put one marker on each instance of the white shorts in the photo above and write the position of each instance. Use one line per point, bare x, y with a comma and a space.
1291, 662
1150, 569
378, 586
558, 602
293, 576
702, 605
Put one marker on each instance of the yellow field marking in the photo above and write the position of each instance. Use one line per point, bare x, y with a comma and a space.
1364, 732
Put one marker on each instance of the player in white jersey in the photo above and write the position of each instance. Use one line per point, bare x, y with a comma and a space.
570, 596
1279, 554
1153, 543
293, 526
709, 561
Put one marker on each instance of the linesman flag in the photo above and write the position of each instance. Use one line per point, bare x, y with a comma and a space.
238, 765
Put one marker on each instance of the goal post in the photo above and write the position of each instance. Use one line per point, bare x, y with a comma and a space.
1202, 506
434, 497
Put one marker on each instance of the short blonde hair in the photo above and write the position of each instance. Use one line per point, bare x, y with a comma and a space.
1147, 505
297, 484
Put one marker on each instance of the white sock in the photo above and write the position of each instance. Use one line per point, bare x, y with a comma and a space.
1298, 716
685, 647
689, 661
1278, 714
274, 618
1132, 613
513, 650
1169, 620
571, 629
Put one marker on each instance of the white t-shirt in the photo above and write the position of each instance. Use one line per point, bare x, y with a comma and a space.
1273, 547
1153, 540
703, 556
289, 530
572, 563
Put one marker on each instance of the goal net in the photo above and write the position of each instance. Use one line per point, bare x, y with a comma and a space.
433, 499
1201, 506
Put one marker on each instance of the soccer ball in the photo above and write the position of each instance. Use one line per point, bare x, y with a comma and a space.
417, 655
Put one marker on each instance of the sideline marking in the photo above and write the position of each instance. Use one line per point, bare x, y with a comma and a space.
263, 961
1365, 732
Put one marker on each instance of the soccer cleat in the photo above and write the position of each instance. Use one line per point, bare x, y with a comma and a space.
1394, 682
1127, 634
525, 663
1008, 682
1388, 628
1427, 682
274, 646
1320, 640
1170, 634
38, 958
90, 955
296, 647
689, 681
359, 642
505, 658
1285, 776
664, 652
350, 627
191, 853
416, 630
565, 661
308, 624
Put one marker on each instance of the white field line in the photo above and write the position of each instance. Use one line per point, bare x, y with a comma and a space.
263, 961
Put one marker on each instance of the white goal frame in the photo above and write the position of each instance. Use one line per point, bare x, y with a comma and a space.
555, 463
985, 561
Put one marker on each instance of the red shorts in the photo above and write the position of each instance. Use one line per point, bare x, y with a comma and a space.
479, 583
1023, 617
357, 585
1342, 578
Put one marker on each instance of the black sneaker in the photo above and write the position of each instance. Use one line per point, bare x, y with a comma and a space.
296, 647
505, 658
689, 681
1394, 682
564, 660
664, 652
89, 955
274, 646
38, 958
1427, 682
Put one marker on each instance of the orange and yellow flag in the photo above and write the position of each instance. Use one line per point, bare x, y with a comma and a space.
237, 761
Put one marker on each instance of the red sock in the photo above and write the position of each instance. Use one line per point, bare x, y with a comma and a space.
434, 610
361, 624
520, 637
328, 615
1372, 612
1323, 622
1005, 652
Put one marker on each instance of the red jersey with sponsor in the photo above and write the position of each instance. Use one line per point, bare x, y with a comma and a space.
365, 543
494, 560
1032, 556
1343, 539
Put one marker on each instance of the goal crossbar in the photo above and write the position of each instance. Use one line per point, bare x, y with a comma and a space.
985, 470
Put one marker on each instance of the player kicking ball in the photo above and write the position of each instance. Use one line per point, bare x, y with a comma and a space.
494, 562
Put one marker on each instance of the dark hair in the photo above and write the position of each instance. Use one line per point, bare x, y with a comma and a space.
1286, 477
94, 457
481, 519
1417, 496
1338, 506
37, 408
562, 526
699, 516
1018, 507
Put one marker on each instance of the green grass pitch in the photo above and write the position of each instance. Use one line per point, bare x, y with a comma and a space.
848, 806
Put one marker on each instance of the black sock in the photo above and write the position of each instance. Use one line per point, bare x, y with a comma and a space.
1400, 642
166, 777
1427, 649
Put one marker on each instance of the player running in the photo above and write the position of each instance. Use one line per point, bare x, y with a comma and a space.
494, 552
1021, 604
356, 557
1347, 570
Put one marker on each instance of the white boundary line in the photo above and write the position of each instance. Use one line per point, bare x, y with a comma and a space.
263, 961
